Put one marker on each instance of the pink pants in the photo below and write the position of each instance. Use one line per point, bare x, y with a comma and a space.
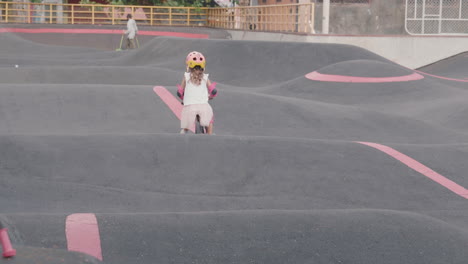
190, 112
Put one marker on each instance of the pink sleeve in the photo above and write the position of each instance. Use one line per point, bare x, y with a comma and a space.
212, 91
180, 91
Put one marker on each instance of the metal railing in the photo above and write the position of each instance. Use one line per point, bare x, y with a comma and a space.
51, 13
276, 18
351, 17
436, 17
297, 18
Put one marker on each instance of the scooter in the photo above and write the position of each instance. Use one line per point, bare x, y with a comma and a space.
121, 42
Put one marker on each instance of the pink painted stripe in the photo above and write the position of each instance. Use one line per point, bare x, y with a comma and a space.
101, 31
171, 102
82, 233
316, 76
419, 167
444, 78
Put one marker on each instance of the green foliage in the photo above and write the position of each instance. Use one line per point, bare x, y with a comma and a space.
156, 2
171, 3
91, 2
174, 3
116, 2
185, 3
132, 2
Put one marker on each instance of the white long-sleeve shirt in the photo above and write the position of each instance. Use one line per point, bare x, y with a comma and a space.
132, 28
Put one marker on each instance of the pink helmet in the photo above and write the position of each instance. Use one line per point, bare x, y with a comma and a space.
195, 58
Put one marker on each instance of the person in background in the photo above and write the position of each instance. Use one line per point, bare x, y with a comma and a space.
131, 32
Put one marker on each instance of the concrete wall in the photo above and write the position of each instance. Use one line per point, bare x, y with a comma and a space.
366, 18
376, 17
410, 51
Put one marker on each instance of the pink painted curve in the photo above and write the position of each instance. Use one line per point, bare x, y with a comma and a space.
444, 78
316, 76
419, 167
82, 232
171, 102
101, 31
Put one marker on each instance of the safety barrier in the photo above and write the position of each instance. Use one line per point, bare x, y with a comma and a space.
436, 17
297, 18
275, 18
51, 13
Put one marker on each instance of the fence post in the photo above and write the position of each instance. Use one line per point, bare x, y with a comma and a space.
440, 16
326, 16
170, 16
312, 18
6, 12
151, 16
188, 16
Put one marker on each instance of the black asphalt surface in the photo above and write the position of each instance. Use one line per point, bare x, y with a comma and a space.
284, 180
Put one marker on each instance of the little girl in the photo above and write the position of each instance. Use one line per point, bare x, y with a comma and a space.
195, 91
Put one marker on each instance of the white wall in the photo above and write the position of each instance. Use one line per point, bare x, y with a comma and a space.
410, 51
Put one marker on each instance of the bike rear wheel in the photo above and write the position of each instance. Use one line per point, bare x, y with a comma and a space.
199, 129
